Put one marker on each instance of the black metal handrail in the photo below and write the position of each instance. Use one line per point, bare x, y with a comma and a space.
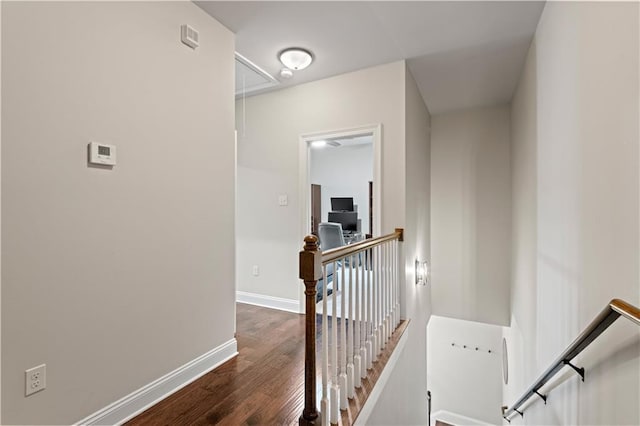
609, 314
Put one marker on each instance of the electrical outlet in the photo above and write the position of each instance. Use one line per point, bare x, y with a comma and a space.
255, 270
35, 379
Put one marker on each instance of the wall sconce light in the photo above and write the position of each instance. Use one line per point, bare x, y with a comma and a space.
422, 272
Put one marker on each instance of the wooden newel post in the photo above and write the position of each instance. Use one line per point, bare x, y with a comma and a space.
310, 273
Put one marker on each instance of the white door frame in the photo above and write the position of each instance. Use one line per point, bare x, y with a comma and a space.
304, 178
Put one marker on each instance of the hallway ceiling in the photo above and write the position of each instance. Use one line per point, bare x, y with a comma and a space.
461, 54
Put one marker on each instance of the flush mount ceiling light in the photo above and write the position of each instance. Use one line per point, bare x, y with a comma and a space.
295, 58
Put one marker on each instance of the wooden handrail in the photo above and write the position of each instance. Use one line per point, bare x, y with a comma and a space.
625, 309
600, 323
345, 251
311, 260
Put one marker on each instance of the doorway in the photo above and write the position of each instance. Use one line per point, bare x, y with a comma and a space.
323, 140
341, 164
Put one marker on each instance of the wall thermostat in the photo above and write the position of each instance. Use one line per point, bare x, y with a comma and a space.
100, 153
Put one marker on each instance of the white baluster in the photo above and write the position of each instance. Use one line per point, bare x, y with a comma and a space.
396, 278
357, 361
387, 262
334, 395
374, 322
383, 278
350, 366
324, 402
380, 311
365, 308
389, 289
369, 321
342, 379
385, 300
376, 307
393, 286
392, 283
389, 292
377, 291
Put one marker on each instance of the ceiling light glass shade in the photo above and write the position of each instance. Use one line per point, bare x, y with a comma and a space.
296, 58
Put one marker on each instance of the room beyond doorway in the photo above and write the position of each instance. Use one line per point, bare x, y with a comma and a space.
352, 136
341, 174
341, 165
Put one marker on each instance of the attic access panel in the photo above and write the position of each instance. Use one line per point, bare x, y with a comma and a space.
251, 78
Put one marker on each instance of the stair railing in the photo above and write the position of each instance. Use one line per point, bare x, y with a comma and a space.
615, 309
360, 309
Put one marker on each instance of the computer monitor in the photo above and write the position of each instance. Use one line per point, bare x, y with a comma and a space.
342, 204
348, 220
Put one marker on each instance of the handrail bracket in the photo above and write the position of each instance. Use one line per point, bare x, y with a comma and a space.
544, 397
579, 370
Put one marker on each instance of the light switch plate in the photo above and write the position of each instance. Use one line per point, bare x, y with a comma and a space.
283, 200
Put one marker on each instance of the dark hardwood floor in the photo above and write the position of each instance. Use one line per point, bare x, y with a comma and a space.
263, 385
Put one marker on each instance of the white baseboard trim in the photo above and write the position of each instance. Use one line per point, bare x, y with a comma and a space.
289, 305
370, 403
455, 419
138, 401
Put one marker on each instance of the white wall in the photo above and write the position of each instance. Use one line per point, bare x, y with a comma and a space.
404, 398
269, 234
471, 214
524, 235
575, 163
122, 274
463, 380
344, 171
